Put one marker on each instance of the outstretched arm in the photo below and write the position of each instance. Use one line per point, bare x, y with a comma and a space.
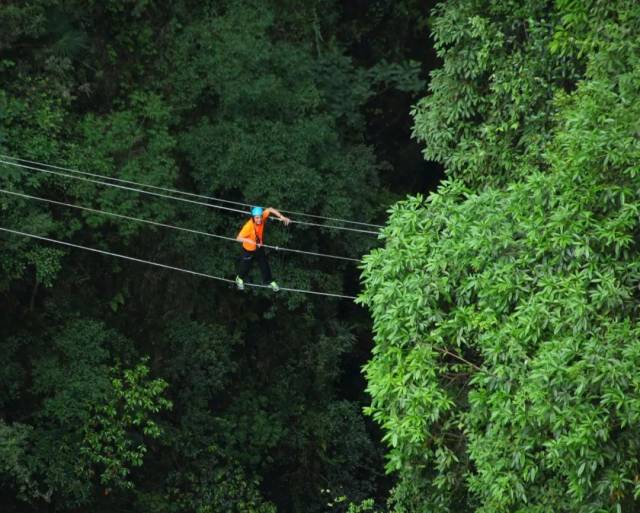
276, 213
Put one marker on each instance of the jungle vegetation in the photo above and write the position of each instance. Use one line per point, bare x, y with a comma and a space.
506, 305
490, 361
125, 387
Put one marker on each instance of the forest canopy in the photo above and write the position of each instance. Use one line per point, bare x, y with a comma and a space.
489, 364
505, 305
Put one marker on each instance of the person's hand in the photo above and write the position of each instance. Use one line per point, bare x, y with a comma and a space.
286, 220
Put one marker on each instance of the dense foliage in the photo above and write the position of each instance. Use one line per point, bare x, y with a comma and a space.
126, 387
506, 305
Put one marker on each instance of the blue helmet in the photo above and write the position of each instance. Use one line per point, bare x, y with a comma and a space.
256, 211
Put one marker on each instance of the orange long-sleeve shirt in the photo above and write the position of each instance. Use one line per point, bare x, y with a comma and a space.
253, 231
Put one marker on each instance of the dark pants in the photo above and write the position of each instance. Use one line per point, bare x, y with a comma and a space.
246, 261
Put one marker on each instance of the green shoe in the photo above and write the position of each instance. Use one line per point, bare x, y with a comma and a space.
239, 283
274, 286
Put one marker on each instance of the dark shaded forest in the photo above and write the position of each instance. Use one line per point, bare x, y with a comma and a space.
126, 387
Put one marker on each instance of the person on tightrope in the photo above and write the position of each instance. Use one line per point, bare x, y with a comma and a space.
252, 240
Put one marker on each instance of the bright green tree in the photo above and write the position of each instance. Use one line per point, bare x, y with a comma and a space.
505, 310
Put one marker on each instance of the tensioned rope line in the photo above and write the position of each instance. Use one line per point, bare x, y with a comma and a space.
141, 191
164, 266
177, 191
154, 223
48, 171
166, 196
